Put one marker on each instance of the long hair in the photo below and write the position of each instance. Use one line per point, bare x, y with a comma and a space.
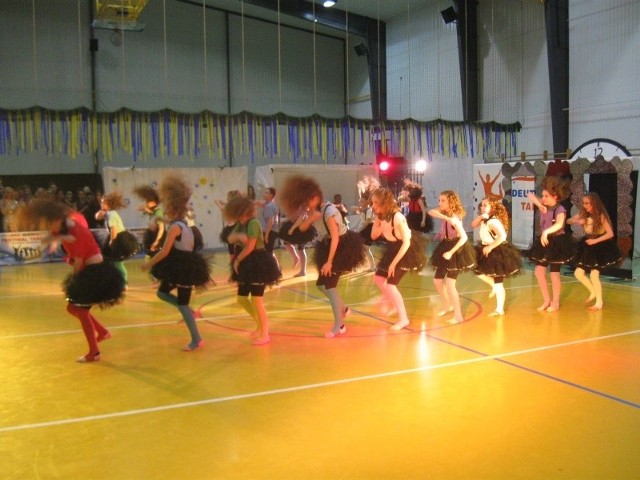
387, 202
455, 205
599, 211
296, 192
238, 207
39, 212
174, 192
147, 193
499, 211
115, 200
557, 186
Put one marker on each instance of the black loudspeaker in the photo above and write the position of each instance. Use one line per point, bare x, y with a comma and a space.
449, 15
361, 49
93, 44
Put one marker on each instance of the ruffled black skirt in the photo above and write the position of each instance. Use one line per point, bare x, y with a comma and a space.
224, 238
415, 258
125, 245
349, 255
561, 250
99, 284
598, 256
298, 237
365, 233
415, 218
198, 238
259, 268
464, 258
183, 269
148, 238
504, 261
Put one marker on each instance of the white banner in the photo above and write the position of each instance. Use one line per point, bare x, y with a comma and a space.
208, 184
522, 211
487, 184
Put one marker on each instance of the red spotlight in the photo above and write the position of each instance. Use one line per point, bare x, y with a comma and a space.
384, 166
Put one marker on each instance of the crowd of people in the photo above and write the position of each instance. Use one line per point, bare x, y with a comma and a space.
84, 200
252, 227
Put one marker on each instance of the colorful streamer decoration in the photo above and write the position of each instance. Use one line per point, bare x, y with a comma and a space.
146, 135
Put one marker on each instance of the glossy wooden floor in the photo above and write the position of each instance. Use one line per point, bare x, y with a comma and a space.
528, 396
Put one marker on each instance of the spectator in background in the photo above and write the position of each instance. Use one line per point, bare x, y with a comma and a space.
337, 202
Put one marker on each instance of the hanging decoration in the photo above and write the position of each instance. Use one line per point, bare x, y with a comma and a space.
147, 135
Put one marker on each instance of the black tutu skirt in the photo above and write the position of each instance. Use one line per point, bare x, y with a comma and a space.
183, 269
298, 237
598, 256
561, 250
99, 284
415, 218
349, 255
224, 238
259, 268
464, 258
198, 239
125, 245
414, 258
365, 233
504, 261
148, 238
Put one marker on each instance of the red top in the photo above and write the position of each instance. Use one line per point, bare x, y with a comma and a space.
85, 245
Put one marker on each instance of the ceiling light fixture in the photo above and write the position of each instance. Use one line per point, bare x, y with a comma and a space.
328, 3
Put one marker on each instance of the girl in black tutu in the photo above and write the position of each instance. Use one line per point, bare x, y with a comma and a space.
497, 258
295, 240
156, 231
454, 253
553, 248
94, 281
338, 251
121, 244
366, 187
404, 251
597, 249
177, 265
417, 217
228, 226
253, 267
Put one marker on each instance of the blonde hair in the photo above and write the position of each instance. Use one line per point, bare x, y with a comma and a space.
115, 200
455, 205
387, 202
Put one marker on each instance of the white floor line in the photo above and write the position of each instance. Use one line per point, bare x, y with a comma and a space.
210, 401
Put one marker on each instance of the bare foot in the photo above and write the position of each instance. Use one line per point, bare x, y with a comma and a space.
595, 308
497, 313
552, 308
543, 307
590, 299
454, 321
256, 342
445, 311
399, 325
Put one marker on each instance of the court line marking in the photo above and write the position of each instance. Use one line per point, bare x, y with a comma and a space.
299, 388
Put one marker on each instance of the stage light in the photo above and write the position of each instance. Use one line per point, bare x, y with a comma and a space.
384, 165
329, 3
421, 165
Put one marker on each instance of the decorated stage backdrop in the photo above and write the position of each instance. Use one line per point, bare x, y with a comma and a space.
490, 182
208, 184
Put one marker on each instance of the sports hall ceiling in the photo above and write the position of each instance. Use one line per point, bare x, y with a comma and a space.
383, 10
